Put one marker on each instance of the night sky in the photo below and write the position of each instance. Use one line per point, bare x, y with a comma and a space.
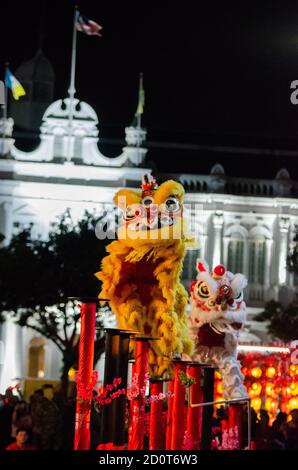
217, 73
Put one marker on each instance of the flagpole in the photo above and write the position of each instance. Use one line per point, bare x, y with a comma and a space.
72, 89
4, 108
139, 115
6, 92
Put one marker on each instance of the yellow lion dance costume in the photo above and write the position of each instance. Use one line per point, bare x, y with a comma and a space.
140, 275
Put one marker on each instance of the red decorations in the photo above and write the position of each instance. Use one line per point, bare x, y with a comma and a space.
192, 286
135, 390
219, 270
271, 381
201, 267
256, 372
270, 372
105, 398
148, 184
230, 438
235, 423
224, 296
84, 393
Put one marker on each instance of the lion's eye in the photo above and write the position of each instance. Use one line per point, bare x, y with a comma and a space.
202, 290
132, 212
147, 201
172, 204
239, 297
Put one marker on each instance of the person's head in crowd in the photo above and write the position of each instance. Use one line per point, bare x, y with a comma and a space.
38, 395
294, 416
48, 391
9, 396
264, 417
58, 396
22, 437
281, 417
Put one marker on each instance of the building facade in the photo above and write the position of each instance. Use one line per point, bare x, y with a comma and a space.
246, 224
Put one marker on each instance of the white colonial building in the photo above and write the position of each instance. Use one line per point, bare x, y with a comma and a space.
246, 224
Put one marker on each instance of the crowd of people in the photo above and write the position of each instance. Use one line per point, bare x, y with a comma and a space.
40, 423
282, 434
43, 423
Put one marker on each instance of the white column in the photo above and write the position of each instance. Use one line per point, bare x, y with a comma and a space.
217, 222
245, 256
48, 360
268, 262
225, 251
12, 363
282, 252
292, 234
202, 245
53, 361
6, 220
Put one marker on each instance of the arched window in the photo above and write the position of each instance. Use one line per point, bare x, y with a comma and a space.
235, 260
36, 359
257, 256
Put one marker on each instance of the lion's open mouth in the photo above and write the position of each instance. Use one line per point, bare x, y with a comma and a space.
140, 274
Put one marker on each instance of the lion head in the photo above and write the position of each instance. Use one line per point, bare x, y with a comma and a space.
151, 215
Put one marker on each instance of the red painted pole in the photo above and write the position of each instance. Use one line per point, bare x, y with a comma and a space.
86, 356
178, 409
194, 414
156, 425
169, 416
136, 441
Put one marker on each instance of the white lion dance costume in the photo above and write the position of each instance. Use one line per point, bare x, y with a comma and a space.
217, 316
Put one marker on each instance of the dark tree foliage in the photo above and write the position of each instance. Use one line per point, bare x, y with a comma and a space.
283, 322
37, 276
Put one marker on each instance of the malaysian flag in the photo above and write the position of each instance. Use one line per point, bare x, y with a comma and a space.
87, 26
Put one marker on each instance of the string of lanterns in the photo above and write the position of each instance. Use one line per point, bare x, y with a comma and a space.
271, 381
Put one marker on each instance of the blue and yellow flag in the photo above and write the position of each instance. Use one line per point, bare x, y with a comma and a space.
15, 86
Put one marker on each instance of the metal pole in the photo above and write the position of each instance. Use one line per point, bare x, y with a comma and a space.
208, 393
5, 96
108, 412
120, 402
72, 89
139, 115
248, 425
209, 403
4, 107
233, 400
